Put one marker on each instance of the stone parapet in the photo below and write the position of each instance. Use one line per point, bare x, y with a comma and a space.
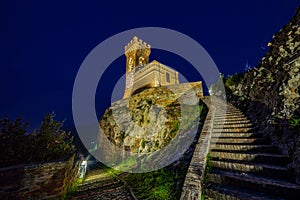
38, 181
192, 187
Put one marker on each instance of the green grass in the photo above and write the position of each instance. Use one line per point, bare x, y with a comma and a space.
270, 78
203, 196
143, 143
153, 185
176, 125
208, 167
208, 163
295, 122
241, 98
72, 189
233, 80
127, 164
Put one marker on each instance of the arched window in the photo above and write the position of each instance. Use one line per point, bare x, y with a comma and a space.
141, 61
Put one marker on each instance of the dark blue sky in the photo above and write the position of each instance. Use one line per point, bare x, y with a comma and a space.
43, 43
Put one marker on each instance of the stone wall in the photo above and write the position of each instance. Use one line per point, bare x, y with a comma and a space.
182, 88
38, 181
153, 74
192, 188
270, 94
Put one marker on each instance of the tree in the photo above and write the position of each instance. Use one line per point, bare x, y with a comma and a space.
48, 142
51, 141
12, 139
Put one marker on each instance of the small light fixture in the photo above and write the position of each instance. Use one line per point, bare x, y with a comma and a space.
82, 168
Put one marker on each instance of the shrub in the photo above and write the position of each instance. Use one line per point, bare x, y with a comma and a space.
233, 80
295, 122
48, 142
52, 142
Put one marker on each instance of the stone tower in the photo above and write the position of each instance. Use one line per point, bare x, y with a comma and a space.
137, 54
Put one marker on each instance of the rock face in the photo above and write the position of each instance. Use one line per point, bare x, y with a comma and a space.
270, 92
150, 120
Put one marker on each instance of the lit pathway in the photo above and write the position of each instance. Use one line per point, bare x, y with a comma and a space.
100, 184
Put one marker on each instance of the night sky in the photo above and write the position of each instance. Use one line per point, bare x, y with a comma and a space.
43, 44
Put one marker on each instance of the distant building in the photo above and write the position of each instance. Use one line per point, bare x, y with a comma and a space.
140, 74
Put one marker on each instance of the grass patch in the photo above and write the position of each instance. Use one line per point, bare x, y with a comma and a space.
233, 80
153, 185
208, 163
208, 167
72, 189
270, 78
203, 196
294, 122
127, 164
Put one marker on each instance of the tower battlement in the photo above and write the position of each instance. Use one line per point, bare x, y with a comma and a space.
137, 44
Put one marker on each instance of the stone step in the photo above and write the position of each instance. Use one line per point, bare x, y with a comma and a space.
230, 193
229, 115
239, 141
232, 122
271, 171
235, 125
237, 135
265, 158
233, 109
96, 177
243, 165
232, 130
255, 183
99, 185
244, 148
118, 193
227, 112
234, 117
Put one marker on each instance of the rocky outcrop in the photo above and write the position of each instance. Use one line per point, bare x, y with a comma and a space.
270, 92
150, 120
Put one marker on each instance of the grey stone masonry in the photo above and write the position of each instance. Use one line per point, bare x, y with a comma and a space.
192, 185
38, 181
243, 164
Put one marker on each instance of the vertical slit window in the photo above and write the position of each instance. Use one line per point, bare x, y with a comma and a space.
168, 77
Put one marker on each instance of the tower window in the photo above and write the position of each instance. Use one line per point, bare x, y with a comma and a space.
167, 77
141, 61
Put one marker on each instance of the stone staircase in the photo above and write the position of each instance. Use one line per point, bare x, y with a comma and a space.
242, 164
99, 184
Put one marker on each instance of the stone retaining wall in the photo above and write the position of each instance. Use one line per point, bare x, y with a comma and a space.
184, 87
38, 181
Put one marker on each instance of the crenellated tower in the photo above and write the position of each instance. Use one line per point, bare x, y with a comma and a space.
137, 54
